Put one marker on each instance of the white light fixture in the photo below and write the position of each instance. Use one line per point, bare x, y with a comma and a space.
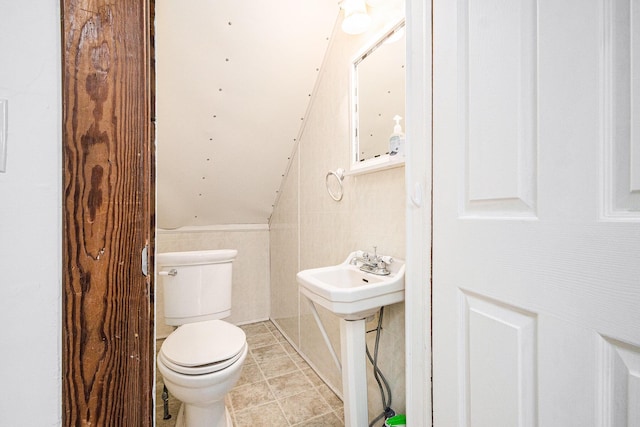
356, 20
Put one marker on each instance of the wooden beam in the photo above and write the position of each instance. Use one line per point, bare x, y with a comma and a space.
107, 341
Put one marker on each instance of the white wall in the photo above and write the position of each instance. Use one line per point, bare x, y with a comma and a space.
229, 104
30, 214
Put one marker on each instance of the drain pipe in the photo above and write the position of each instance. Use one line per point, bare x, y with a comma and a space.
165, 402
324, 334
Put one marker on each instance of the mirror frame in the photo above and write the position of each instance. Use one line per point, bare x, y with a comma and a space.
383, 161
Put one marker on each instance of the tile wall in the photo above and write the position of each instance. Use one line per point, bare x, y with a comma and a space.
309, 229
250, 296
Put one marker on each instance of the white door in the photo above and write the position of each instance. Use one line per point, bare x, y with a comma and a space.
536, 251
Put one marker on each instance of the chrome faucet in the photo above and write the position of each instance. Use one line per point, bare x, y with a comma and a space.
374, 264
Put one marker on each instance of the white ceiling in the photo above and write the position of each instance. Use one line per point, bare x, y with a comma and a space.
233, 82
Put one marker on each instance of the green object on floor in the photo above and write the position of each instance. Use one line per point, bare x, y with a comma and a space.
396, 421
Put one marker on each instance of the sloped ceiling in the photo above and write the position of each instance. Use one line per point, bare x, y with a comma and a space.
233, 82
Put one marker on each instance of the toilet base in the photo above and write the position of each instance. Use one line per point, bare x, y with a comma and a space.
181, 423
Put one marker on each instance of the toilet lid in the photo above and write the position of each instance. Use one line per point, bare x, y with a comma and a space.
203, 343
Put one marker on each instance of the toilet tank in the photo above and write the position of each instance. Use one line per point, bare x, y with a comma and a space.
196, 285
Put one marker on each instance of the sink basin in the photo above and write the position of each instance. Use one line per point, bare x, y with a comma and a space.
351, 293
354, 295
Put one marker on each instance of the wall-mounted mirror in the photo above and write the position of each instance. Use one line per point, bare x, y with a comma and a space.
377, 96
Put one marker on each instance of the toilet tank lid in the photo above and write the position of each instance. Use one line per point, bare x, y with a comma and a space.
203, 343
196, 257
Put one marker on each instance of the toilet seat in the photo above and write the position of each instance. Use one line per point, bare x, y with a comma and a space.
203, 347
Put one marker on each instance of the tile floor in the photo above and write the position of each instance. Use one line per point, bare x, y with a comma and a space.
276, 388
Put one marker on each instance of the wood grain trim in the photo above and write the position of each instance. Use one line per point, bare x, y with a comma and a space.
107, 336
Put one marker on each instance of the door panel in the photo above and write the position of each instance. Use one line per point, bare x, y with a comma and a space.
107, 337
621, 110
536, 237
503, 372
619, 368
497, 79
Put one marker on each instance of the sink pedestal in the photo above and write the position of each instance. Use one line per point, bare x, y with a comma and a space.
354, 374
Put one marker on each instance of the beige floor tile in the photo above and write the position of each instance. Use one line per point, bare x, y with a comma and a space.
299, 360
288, 347
267, 352
327, 420
276, 333
269, 324
313, 377
289, 384
272, 370
260, 340
174, 407
269, 415
254, 328
331, 398
250, 374
250, 395
277, 366
304, 406
227, 404
249, 360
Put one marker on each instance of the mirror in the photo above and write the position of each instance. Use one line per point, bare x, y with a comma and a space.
377, 96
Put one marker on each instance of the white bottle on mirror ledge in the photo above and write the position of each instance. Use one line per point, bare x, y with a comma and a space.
396, 141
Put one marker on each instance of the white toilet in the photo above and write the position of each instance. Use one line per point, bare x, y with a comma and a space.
201, 360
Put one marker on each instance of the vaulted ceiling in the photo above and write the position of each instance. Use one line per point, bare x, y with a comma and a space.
233, 81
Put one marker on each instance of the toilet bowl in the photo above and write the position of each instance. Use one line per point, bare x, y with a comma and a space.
201, 361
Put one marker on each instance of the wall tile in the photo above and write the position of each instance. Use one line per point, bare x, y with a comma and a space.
250, 294
371, 213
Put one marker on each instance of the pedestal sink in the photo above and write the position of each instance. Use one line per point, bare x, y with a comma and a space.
353, 295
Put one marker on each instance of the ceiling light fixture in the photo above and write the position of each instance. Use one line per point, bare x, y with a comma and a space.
356, 20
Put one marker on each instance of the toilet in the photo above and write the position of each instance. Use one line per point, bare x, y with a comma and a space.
201, 360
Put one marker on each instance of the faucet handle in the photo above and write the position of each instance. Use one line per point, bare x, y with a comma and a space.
386, 259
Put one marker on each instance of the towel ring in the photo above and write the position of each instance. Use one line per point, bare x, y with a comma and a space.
339, 175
